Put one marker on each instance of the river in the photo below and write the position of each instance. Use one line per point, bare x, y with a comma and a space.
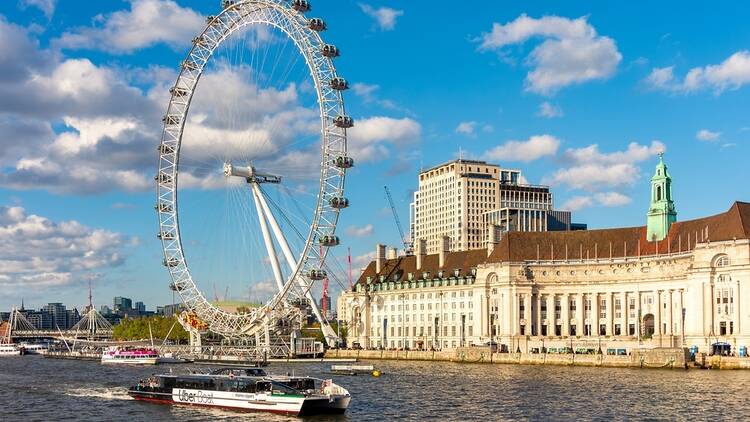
38, 389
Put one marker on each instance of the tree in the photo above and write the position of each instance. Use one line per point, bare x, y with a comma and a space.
138, 329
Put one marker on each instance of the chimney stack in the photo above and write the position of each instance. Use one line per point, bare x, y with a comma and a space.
494, 239
421, 253
445, 247
392, 253
379, 258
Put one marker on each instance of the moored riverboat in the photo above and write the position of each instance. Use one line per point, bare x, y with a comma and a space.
10, 350
247, 389
130, 356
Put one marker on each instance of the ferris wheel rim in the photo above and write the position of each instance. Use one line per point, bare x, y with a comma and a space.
233, 18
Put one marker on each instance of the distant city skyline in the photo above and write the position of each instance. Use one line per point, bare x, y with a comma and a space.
569, 94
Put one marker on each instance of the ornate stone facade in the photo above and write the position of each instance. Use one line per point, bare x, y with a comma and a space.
594, 290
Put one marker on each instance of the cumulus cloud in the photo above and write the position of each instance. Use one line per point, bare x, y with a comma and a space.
604, 199
466, 128
384, 17
364, 231
148, 22
577, 203
707, 135
731, 74
591, 170
612, 199
36, 252
572, 52
549, 110
46, 6
535, 147
370, 138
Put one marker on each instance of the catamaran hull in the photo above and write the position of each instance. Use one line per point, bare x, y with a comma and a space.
293, 406
136, 361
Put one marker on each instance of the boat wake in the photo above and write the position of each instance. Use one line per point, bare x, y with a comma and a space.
101, 393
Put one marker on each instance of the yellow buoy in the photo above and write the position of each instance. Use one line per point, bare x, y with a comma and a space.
376, 373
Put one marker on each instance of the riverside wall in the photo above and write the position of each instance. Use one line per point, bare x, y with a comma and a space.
669, 358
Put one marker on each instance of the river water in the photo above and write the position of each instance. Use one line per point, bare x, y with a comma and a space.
38, 389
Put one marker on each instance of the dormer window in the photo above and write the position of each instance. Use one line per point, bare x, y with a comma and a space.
473, 271
411, 276
456, 272
426, 275
440, 274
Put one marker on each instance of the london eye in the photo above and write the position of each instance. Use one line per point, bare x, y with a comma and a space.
254, 145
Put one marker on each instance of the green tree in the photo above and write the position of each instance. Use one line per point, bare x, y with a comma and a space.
138, 329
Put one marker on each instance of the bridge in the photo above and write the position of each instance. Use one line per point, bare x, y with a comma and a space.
92, 327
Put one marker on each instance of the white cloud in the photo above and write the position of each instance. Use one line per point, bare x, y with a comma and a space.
46, 6
384, 17
612, 199
362, 261
535, 147
549, 110
591, 170
36, 252
369, 138
148, 22
572, 52
707, 135
731, 74
605, 199
577, 203
364, 231
466, 128
365, 91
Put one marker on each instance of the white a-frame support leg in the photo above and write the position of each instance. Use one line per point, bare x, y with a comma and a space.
267, 240
328, 332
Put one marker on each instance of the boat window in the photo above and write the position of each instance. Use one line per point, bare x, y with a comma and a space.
279, 388
261, 386
246, 386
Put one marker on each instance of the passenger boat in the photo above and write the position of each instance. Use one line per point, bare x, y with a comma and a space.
130, 356
35, 348
246, 389
10, 350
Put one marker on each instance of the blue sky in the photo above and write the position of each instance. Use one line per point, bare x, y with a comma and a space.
578, 96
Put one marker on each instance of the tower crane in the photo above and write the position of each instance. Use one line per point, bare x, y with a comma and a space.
408, 246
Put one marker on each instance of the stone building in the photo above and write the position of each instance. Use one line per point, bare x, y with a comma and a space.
620, 288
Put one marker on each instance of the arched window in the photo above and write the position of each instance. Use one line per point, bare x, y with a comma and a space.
658, 193
721, 261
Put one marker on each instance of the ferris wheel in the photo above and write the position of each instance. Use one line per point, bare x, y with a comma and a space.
247, 167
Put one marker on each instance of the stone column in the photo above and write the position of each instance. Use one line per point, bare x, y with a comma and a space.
594, 319
538, 314
579, 314
657, 314
680, 323
565, 313
516, 319
551, 320
670, 311
638, 316
485, 317
737, 313
610, 314
624, 309
527, 312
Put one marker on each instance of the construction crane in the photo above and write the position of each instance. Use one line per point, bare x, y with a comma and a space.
408, 246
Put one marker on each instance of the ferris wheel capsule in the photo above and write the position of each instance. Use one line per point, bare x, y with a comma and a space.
344, 122
317, 24
339, 84
225, 4
331, 51
339, 202
317, 274
301, 6
329, 240
343, 162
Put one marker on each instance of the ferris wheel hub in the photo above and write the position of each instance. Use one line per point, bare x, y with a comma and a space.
249, 173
